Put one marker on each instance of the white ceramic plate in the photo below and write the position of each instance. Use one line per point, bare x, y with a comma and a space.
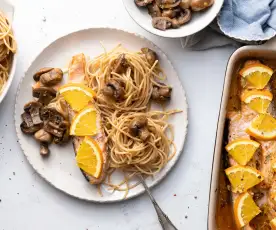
60, 168
198, 22
8, 10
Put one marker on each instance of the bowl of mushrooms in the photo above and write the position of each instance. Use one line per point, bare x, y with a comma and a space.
173, 18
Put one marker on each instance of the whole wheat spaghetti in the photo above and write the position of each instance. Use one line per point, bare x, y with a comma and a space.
7, 49
138, 79
128, 153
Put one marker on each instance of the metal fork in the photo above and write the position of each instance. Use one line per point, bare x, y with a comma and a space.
162, 217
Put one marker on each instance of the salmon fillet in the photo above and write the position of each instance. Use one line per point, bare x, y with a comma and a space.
262, 160
76, 74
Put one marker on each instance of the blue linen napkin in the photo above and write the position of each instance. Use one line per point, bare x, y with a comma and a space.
242, 21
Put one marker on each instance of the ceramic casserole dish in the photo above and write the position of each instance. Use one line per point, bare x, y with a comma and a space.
220, 215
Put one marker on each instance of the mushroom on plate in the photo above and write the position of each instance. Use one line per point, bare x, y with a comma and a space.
161, 93
120, 64
150, 55
25, 128
55, 117
44, 149
185, 4
57, 109
162, 23
198, 5
171, 13
31, 121
142, 3
139, 128
44, 94
49, 76
182, 18
37, 75
168, 4
114, 89
154, 10
33, 108
44, 138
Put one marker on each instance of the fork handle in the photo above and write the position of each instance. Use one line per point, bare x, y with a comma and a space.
162, 217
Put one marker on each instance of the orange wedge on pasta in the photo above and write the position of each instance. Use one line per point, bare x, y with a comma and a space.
86, 122
243, 178
77, 95
258, 100
89, 157
257, 74
263, 127
245, 209
242, 150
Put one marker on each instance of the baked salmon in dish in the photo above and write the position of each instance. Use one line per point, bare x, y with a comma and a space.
250, 159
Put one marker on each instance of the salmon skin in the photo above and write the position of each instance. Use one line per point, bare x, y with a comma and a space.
76, 74
239, 119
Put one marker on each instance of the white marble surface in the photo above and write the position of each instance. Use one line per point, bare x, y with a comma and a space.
29, 203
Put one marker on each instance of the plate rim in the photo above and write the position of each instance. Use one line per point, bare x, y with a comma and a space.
17, 129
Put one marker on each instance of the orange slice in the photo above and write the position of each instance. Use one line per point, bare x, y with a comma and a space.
263, 127
257, 100
245, 209
85, 123
242, 150
243, 178
89, 157
273, 224
77, 95
257, 75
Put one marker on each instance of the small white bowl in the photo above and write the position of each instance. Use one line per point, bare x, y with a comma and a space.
8, 10
198, 22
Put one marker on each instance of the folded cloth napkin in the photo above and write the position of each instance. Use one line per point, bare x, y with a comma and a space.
239, 22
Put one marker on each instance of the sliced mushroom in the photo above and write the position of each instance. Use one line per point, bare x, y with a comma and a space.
64, 138
40, 72
26, 117
162, 23
33, 108
166, 4
43, 136
114, 89
154, 10
30, 129
171, 13
65, 126
58, 106
60, 132
182, 18
120, 64
198, 5
144, 134
161, 94
143, 2
150, 55
44, 149
185, 4
52, 77
31, 118
53, 129
137, 124
138, 128
52, 115
44, 94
